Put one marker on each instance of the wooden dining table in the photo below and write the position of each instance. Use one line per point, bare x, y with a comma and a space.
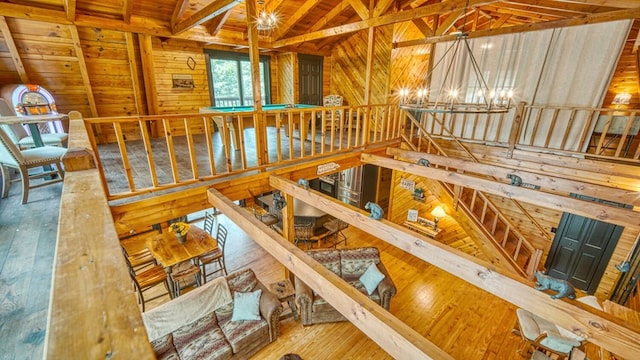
169, 252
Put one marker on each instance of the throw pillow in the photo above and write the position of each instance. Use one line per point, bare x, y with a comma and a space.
246, 305
371, 278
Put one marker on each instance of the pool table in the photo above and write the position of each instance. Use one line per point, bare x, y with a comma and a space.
229, 113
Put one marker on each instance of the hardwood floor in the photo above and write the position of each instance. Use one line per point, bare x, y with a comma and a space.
27, 246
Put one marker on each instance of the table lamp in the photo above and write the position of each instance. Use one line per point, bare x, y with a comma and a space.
437, 213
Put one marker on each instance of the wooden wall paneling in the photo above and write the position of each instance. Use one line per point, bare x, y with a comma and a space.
348, 68
13, 51
83, 69
285, 75
173, 57
626, 74
8, 72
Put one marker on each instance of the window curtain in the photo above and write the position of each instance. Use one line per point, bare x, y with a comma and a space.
557, 67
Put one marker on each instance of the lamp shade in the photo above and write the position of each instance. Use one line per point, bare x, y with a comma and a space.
438, 212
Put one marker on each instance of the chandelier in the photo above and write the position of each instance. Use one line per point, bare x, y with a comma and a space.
455, 95
266, 20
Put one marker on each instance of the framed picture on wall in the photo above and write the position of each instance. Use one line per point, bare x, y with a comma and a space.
412, 215
182, 81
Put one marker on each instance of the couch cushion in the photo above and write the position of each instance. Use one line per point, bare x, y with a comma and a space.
354, 262
246, 306
375, 296
164, 349
242, 281
243, 334
202, 339
371, 278
330, 259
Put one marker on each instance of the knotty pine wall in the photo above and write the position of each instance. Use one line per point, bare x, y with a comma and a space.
626, 75
349, 64
286, 76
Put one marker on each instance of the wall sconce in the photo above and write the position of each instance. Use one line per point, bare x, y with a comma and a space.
621, 99
437, 213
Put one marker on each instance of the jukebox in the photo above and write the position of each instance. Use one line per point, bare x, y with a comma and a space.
29, 100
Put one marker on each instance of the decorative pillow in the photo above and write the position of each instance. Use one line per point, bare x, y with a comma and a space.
371, 278
246, 306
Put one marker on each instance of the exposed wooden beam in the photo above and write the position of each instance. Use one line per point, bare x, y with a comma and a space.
84, 72
617, 216
135, 77
127, 8
70, 9
402, 16
423, 27
382, 6
181, 6
33, 13
386, 330
360, 8
371, 55
599, 328
625, 4
546, 182
149, 73
216, 23
13, 51
301, 12
501, 21
449, 21
208, 12
580, 20
344, 4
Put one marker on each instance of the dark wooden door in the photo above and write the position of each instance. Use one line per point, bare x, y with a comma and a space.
581, 250
310, 79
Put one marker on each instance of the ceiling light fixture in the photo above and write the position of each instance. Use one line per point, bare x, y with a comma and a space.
266, 20
452, 97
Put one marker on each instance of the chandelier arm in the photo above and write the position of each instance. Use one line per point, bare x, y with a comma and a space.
476, 69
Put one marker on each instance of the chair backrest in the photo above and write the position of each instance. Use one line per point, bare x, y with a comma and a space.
9, 153
15, 131
209, 220
303, 231
221, 237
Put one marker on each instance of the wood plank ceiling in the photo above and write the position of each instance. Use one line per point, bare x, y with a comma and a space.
314, 25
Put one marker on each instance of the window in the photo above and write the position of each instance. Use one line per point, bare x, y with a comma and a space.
230, 79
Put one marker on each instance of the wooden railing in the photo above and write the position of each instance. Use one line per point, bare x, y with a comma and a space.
143, 154
594, 132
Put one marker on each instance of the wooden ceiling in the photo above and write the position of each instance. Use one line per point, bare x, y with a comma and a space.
317, 25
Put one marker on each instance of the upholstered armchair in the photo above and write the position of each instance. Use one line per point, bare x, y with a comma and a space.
350, 265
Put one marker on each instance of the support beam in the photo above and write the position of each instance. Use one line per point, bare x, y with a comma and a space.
148, 73
84, 72
207, 13
360, 9
578, 20
178, 11
70, 9
13, 50
391, 334
597, 327
547, 183
127, 7
216, 23
135, 77
402, 16
617, 216
302, 11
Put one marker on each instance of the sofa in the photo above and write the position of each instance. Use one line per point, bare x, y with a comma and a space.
229, 317
350, 265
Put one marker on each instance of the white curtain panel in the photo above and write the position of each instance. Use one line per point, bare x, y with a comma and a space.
556, 67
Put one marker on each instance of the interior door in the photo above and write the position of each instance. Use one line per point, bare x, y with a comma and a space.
581, 249
310, 79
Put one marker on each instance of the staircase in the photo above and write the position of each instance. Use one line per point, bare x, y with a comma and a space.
519, 253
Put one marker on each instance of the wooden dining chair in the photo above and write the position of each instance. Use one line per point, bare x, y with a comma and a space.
215, 257
335, 227
148, 279
24, 160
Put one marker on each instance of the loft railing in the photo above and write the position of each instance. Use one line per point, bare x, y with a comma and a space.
142, 154
594, 132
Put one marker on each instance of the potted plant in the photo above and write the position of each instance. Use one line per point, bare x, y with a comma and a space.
180, 229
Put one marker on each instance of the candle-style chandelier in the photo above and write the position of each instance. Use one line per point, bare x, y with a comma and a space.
455, 95
266, 20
